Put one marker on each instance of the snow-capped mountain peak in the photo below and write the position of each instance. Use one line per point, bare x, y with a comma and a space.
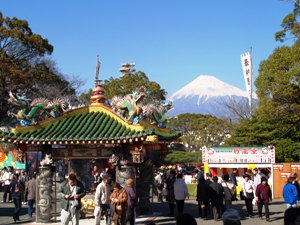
207, 95
206, 86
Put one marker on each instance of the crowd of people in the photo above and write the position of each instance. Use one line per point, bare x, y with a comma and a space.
215, 195
112, 201
19, 189
117, 203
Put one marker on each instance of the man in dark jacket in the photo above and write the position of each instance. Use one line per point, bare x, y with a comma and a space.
70, 192
170, 187
131, 201
216, 197
203, 198
30, 189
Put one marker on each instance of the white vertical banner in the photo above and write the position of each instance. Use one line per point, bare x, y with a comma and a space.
97, 68
246, 59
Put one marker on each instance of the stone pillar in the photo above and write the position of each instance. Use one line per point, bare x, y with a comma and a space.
44, 194
144, 183
123, 173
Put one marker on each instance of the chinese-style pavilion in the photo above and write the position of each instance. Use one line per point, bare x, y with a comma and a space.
123, 136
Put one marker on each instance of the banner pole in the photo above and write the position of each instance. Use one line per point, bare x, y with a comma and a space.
251, 82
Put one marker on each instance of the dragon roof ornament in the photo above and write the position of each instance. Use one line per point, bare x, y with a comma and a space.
31, 111
130, 107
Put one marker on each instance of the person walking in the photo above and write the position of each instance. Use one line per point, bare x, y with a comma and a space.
181, 193
263, 197
30, 189
170, 188
102, 200
7, 180
216, 196
131, 201
17, 190
71, 191
229, 191
22, 180
119, 200
290, 193
203, 198
248, 191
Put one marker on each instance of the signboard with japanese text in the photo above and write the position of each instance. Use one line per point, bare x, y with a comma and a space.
247, 70
249, 155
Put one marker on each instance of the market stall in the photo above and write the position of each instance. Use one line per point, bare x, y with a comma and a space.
221, 160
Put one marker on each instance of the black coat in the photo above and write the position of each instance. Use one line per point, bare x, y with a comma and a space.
216, 193
203, 192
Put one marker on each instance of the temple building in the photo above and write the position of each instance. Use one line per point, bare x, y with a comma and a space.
122, 136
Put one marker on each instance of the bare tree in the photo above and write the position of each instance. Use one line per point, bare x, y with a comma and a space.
238, 108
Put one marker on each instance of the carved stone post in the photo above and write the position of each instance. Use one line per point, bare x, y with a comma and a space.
44, 194
143, 183
123, 173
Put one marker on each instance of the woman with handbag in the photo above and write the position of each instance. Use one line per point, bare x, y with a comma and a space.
119, 201
248, 190
263, 197
229, 191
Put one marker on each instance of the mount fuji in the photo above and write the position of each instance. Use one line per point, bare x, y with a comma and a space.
207, 95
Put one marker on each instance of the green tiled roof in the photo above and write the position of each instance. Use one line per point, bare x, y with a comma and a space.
85, 126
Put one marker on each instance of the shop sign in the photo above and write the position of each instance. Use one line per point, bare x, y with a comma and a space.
251, 155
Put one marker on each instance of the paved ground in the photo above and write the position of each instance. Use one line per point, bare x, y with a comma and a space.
159, 216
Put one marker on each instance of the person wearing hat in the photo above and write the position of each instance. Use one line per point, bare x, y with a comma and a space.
263, 197
248, 191
231, 217
70, 192
102, 200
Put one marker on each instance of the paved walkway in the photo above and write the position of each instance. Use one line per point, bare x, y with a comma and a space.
159, 216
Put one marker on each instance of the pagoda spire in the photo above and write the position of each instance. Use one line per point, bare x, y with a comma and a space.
126, 69
98, 96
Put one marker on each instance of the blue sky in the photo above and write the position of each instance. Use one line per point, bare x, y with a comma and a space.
171, 41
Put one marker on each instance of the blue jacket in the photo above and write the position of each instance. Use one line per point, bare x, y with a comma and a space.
290, 194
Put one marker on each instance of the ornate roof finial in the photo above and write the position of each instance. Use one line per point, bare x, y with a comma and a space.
97, 71
98, 95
